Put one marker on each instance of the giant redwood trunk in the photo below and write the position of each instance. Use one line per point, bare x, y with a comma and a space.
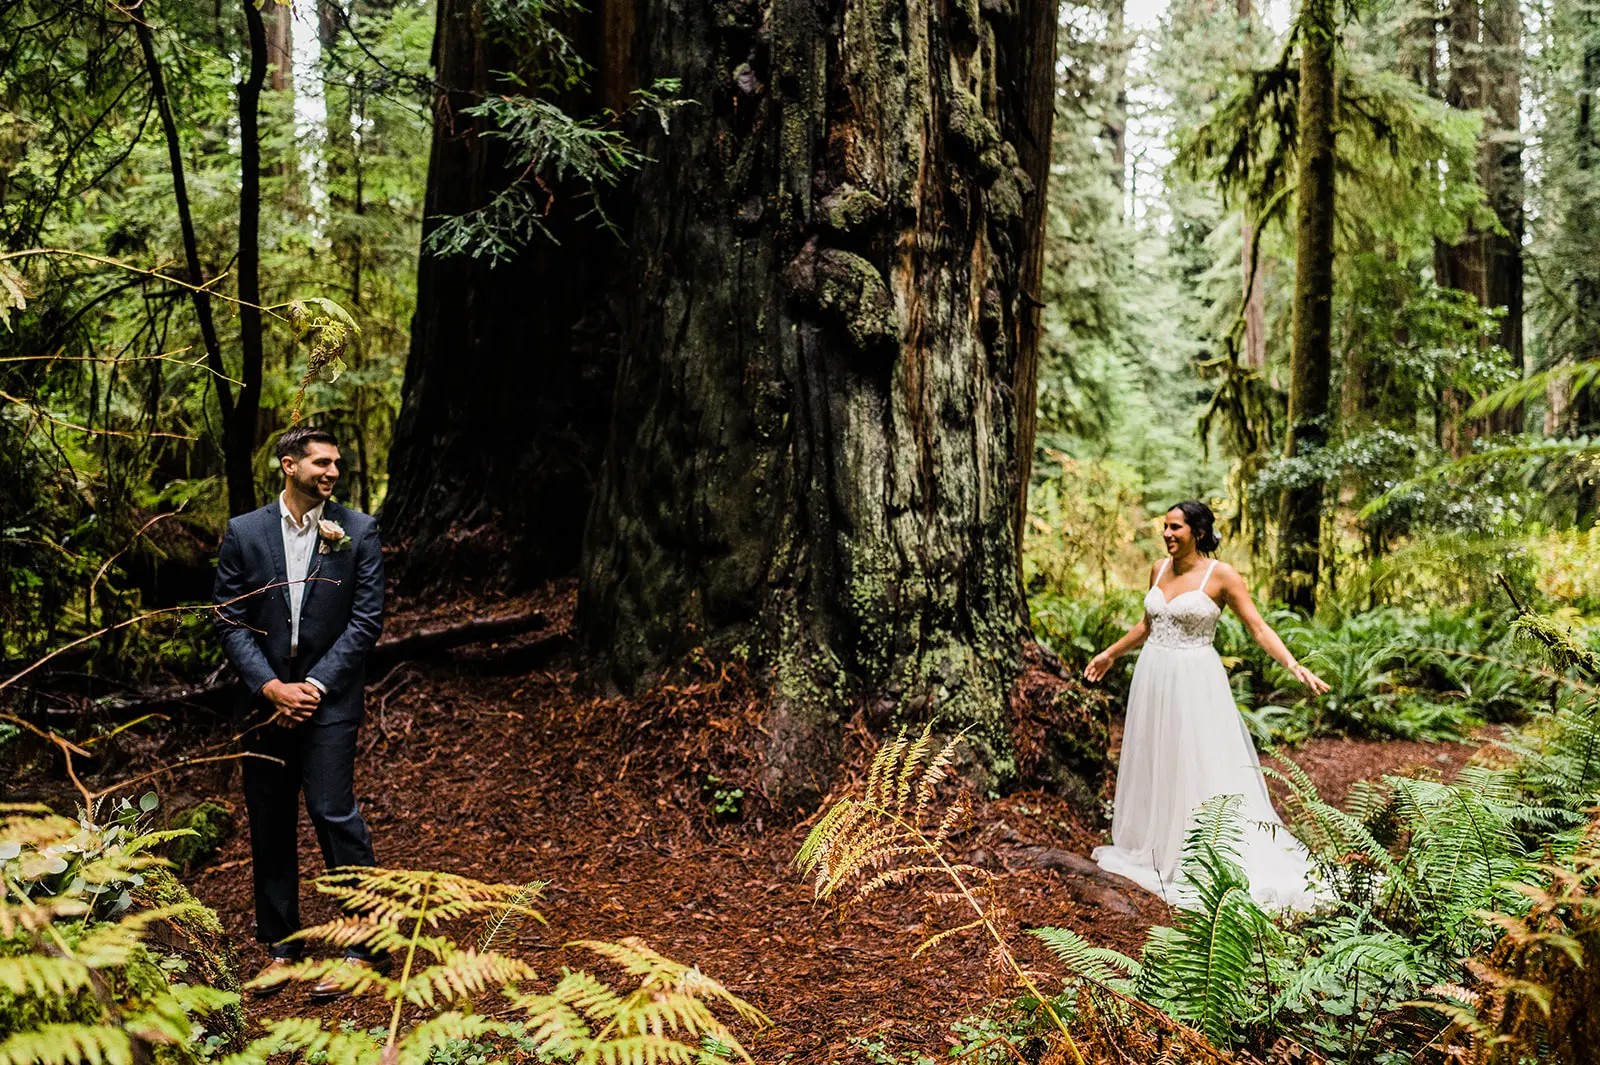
1310, 363
824, 402
509, 378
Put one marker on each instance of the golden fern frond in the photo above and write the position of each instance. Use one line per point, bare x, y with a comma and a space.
304, 1037
822, 835
894, 877
883, 766
654, 1012
464, 975
944, 934
516, 911
347, 932
637, 959
44, 977
353, 979
956, 819
552, 1022
644, 1050
423, 1041
588, 994
938, 770
398, 896
68, 1044
908, 769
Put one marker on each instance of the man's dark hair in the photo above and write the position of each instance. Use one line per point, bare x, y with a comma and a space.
297, 440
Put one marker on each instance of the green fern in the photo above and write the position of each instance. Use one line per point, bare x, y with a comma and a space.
1102, 965
1207, 968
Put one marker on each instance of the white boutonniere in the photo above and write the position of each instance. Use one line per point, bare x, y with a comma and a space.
333, 536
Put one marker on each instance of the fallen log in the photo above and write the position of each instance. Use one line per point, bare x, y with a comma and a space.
217, 692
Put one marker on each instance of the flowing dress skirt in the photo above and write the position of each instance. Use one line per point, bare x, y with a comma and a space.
1183, 743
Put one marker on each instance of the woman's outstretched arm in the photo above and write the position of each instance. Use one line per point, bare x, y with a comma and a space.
1236, 595
1101, 663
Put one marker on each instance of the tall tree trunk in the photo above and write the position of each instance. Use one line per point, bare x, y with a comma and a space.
238, 410
1255, 300
1500, 161
1300, 513
242, 432
1115, 126
509, 379
819, 434
279, 21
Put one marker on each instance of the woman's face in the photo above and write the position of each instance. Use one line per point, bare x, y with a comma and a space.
1176, 534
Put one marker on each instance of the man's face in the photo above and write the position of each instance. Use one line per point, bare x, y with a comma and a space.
313, 474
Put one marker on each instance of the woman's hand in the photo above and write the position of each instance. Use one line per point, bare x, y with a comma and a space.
1098, 667
1309, 679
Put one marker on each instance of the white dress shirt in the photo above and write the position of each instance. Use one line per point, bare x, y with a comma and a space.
299, 544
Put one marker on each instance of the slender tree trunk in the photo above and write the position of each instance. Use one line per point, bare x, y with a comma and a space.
1255, 301
279, 22
243, 431
1500, 160
819, 435
1115, 127
238, 412
1300, 513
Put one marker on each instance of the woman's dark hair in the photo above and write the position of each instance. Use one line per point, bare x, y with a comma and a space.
1202, 523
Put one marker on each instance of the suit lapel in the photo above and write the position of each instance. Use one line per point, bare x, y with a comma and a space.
272, 524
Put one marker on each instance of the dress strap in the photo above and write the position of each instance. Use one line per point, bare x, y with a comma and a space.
1207, 578
1160, 572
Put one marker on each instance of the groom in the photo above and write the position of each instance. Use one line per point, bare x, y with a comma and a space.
299, 605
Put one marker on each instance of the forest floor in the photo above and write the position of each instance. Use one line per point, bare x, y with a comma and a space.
523, 775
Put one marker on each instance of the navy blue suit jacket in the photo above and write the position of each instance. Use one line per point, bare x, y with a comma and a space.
341, 614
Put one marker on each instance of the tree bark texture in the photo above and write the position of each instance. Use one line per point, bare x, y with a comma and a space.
1254, 295
508, 383
1500, 166
1310, 365
824, 403
1485, 55
241, 430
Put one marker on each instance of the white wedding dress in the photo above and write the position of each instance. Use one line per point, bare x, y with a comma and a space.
1184, 742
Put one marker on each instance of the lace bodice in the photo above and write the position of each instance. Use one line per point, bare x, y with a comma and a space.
1189, 620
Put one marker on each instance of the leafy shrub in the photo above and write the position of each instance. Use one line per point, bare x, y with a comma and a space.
81, 982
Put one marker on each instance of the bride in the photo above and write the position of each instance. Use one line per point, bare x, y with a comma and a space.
1184, 740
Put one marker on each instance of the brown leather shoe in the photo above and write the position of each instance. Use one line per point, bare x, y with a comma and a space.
273, 971
348, 977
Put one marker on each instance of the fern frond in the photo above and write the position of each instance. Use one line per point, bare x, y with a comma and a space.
44, 976
344, 933
945, 933
938, 770
1100, 964
427, 1039
637, 959
68, 1044
463, 975
516, 912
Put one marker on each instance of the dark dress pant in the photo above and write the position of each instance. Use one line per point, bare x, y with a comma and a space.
318, 759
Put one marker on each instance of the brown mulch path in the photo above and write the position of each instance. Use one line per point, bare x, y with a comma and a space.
525, 777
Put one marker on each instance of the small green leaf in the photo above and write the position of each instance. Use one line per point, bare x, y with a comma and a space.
148, 801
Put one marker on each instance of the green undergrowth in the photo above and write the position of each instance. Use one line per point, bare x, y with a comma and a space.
1395, 672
